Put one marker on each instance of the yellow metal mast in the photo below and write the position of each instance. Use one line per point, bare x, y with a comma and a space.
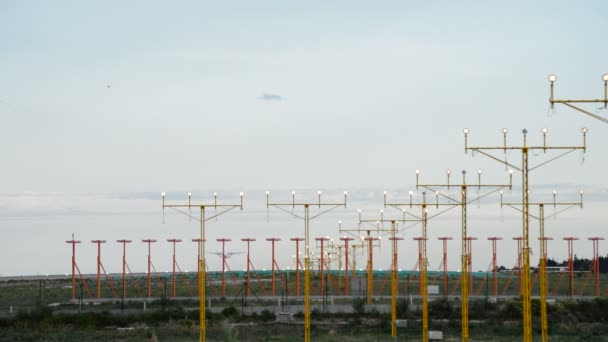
451, 203
306, 218
202, 266
525, 169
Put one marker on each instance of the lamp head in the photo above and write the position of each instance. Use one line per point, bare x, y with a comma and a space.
465, 131
552, 78
605, 77
584, 130
505, 131
544, 130
189, 194
162, 194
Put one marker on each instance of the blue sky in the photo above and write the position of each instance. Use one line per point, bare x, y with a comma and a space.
104, 104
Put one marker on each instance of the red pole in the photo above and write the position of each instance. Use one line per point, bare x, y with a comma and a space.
519, 240
124, 266
149, 241
396, 259
470, 261
73, 242
321, 273
174, 263
297, 240
419, 239
494, 264
570, 241
445, 263
223, 241
346, 282
98, 242
198, 263
273, 261
248, 240
596, 264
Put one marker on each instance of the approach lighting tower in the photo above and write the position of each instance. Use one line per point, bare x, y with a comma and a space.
75, 268
543, 245
575, 104
525, 169
306, 218
224, 208
450, 202
394, 262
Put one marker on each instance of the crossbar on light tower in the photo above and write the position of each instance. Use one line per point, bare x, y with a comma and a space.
306, 218
452, 202
201, 252
524, 168
574, 104
543, 245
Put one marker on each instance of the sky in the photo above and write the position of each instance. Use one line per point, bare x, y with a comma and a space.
104, 105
